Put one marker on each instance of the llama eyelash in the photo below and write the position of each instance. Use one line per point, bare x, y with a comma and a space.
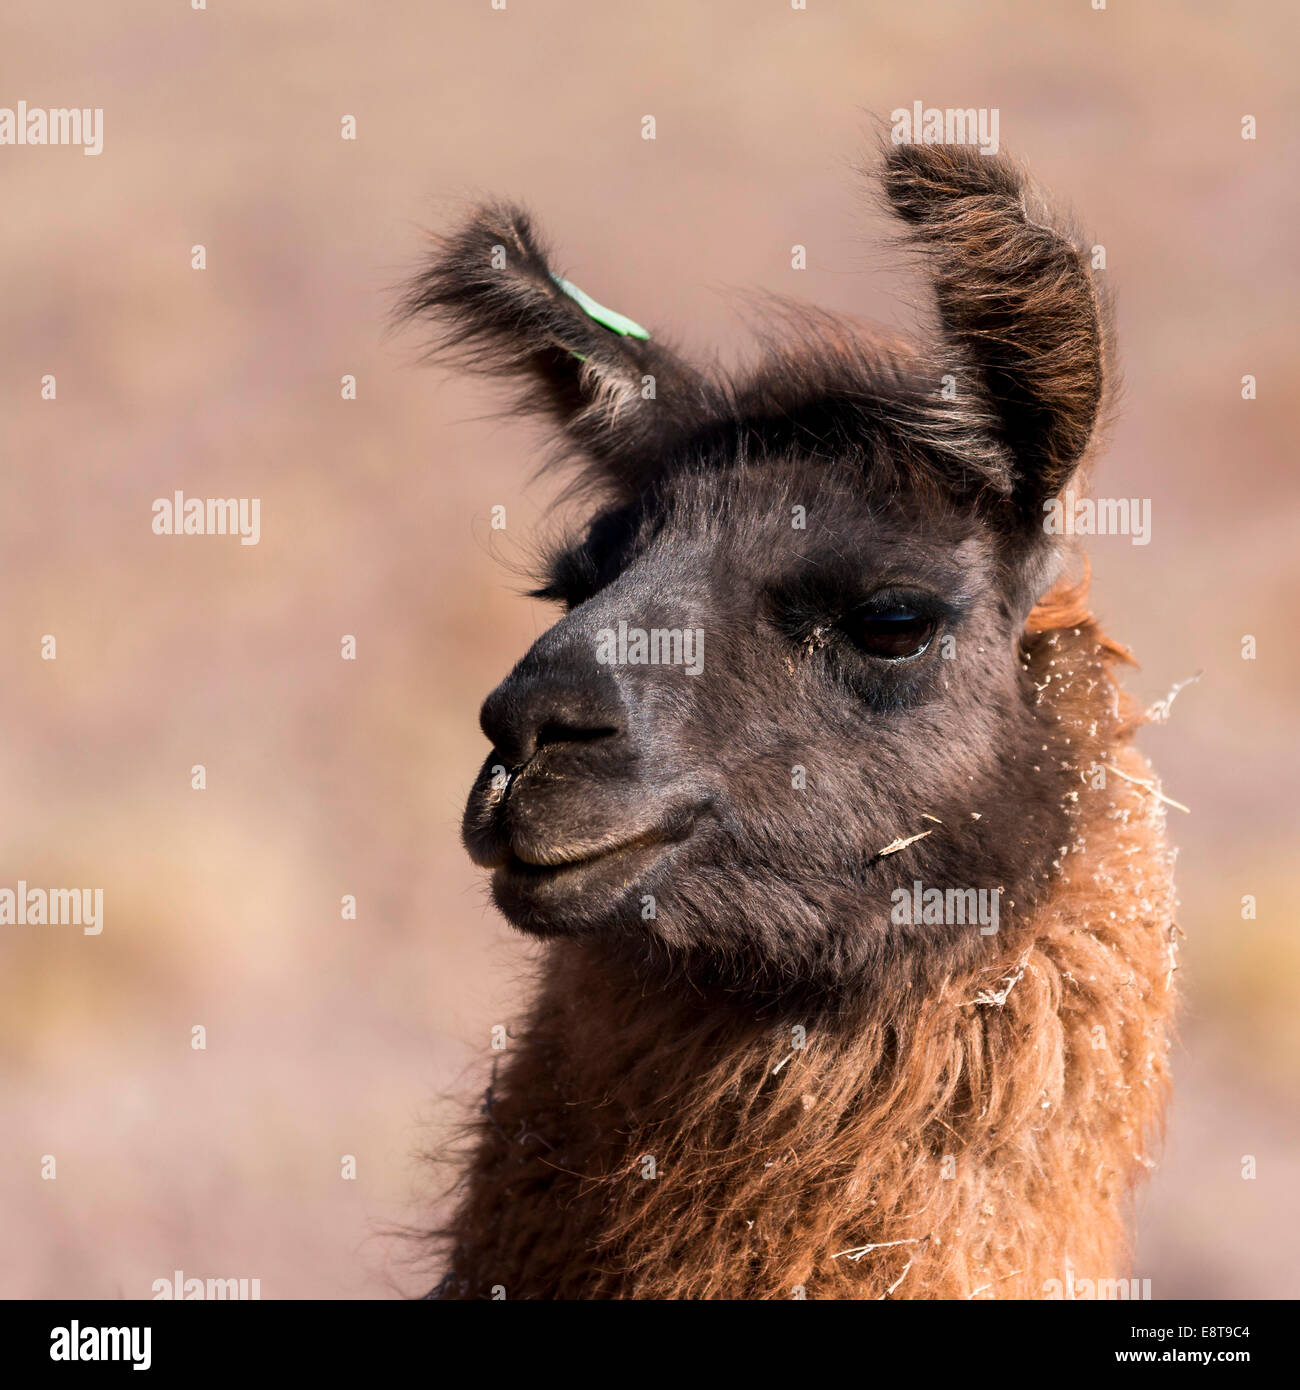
803, 611
568, 578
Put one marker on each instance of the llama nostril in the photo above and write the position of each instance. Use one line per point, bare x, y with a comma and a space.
526, 714
561, 731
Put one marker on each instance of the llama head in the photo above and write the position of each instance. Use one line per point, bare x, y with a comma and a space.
793, 633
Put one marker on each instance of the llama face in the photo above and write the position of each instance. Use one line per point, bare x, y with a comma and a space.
854, 680
792, 679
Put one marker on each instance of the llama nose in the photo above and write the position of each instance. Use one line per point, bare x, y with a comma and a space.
527, 713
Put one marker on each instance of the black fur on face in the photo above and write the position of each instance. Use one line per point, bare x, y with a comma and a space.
793, 632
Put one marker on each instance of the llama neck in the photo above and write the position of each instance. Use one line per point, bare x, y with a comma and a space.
979, 1140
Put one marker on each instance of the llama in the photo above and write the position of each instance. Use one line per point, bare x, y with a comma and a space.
859, 939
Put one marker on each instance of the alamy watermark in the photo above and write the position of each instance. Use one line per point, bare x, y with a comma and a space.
74, 1342
932, 125
179, 515
1098, 1290
1071, 515
63, 125
54, 907
192, 1289
656, 646
946, 907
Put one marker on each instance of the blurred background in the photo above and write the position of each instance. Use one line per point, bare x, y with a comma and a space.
329, 1037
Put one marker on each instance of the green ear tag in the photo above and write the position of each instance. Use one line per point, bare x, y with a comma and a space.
607, 318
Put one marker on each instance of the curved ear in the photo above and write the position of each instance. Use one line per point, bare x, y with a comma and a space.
618, 397
1016, 302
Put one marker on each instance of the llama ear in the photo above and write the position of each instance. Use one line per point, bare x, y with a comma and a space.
1016, 300
502, 310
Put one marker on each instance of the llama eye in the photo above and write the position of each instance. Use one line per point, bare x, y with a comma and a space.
891, 633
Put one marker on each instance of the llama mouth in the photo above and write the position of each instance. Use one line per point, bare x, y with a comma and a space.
540, 862
578, 895
642, 850
552, 891
544, 863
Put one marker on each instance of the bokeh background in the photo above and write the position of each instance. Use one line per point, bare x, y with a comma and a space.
327, 777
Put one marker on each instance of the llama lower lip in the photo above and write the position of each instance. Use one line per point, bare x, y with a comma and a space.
531, 870
601, 891
542, 859
580, 896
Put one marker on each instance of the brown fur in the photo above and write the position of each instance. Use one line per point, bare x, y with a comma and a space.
1044, 1100
771, 1089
